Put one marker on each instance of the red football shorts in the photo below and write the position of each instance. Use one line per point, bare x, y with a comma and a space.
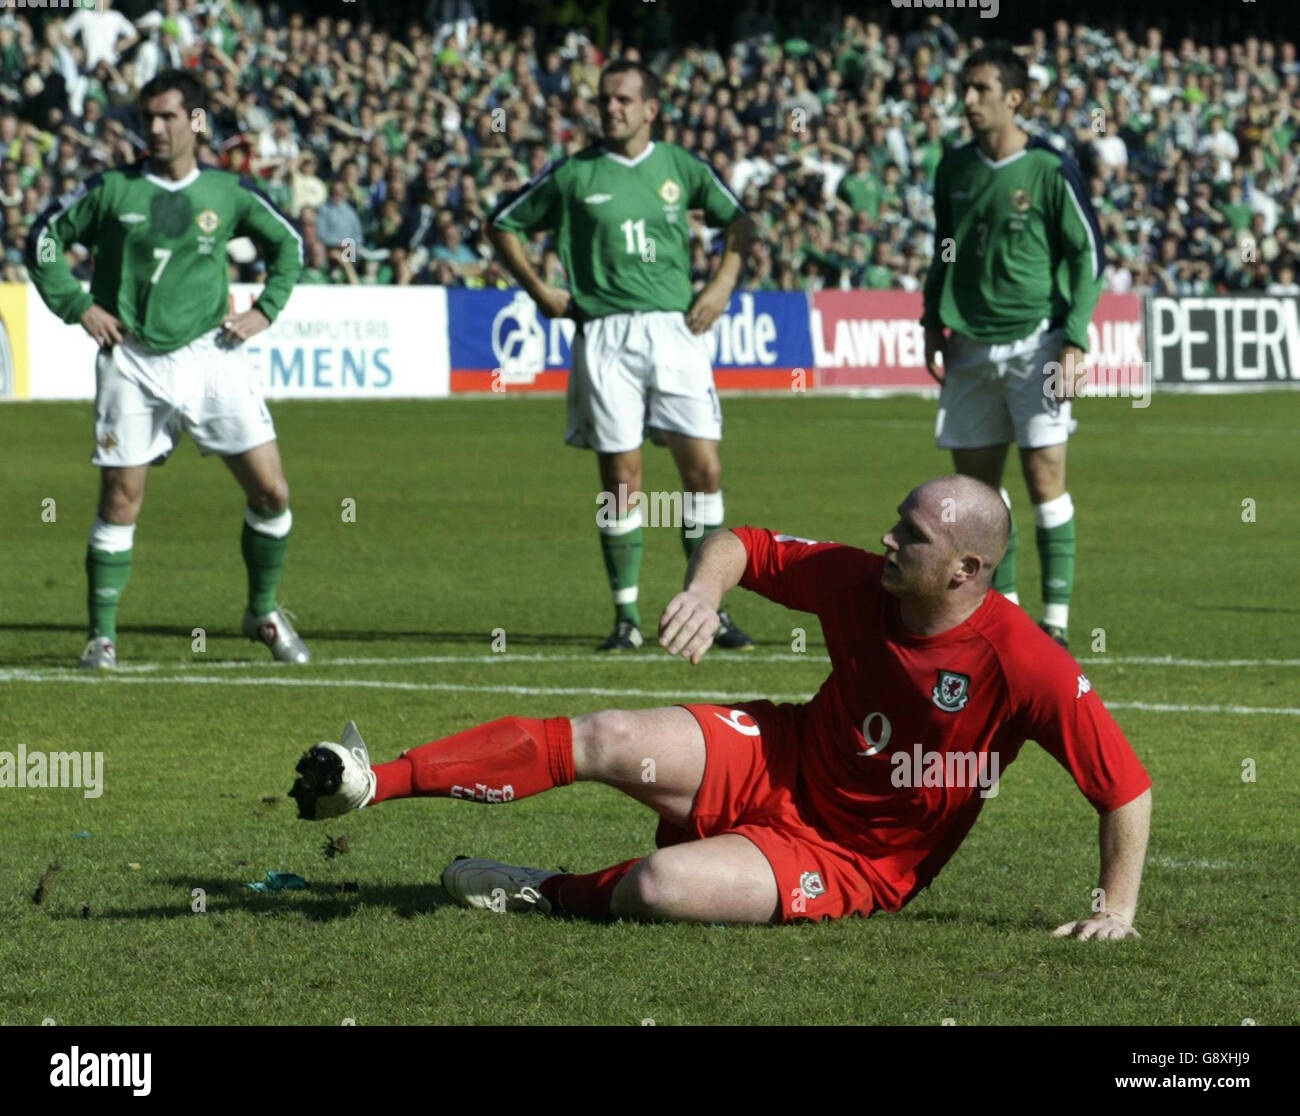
750, 776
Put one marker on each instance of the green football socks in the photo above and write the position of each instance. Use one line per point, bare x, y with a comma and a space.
621, 543
107, 572
1056, 548
1004, 577
264, 542
702, 512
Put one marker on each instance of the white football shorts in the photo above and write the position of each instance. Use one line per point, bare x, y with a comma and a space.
993, 395
640, 372
144, 402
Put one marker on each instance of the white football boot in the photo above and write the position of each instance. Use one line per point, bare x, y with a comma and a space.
334, 778
492, 886
277, 633
100, 654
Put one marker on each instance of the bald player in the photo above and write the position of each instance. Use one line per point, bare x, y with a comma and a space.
848, 804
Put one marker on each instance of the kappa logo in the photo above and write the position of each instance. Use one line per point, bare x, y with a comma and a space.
670, 192
597, 199
750, 729
208, 221
951, 692
810, 883
1084, 686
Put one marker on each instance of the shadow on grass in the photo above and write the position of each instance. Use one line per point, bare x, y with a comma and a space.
319, 902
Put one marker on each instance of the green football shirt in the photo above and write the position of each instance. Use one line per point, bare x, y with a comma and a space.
160, 250
1016, 241
620, 224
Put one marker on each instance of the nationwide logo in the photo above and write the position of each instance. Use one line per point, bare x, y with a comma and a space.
952, 691
810, 883
132, 218
519, 341
670, 192
208, 221
597, 199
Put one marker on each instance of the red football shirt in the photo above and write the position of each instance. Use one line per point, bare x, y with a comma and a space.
906, 738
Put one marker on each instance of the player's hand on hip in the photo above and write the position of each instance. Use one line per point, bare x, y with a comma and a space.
688, 626
554, 302
1074, 372
240, 327
105, 329
709, 303
934, 345
1101, 927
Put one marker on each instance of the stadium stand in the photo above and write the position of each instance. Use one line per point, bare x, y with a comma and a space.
389, 145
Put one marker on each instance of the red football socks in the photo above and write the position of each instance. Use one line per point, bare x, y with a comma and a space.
497, 762
586, 896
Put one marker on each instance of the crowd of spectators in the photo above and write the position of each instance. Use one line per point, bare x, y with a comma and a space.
388, 147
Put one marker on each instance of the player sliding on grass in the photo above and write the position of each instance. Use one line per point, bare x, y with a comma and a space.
619, 213
846, 805
170, 357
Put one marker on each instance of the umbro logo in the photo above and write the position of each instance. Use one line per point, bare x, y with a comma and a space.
132, 218
597, 199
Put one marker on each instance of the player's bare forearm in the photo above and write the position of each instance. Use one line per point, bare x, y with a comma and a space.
1122, 836
510, 248
713, 297
553, 302
690, 620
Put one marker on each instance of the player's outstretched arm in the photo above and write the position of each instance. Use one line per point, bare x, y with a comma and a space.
690, 621
1123, 838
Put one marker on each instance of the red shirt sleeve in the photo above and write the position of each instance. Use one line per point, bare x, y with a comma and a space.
802, 574
1063, 713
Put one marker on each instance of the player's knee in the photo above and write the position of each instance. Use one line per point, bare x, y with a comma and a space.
705, 477
119, 503
270, 495
653, 889
599, 739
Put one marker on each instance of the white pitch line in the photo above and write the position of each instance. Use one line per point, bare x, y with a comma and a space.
589, 691
21, 674
1239, 710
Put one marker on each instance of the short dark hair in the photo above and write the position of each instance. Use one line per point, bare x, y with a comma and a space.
1012, 71
185, 83
649, 79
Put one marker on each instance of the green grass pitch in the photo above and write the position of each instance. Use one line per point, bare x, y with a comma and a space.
471, 516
